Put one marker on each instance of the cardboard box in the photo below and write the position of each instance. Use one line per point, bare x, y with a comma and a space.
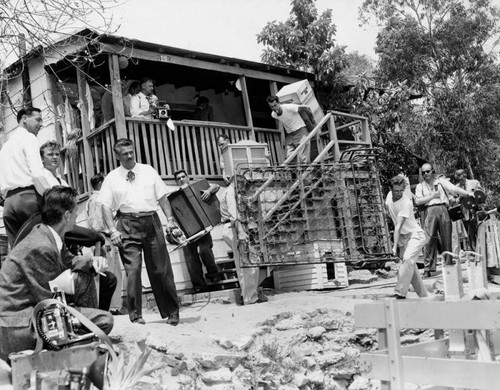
51, 363
301, 92
245, 154
310, 277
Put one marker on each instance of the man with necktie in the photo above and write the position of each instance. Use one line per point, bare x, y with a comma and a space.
136, 192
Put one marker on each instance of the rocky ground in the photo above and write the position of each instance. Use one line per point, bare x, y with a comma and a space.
298, 340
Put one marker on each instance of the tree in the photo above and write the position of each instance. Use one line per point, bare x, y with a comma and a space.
438, 48
27, 24
306, 41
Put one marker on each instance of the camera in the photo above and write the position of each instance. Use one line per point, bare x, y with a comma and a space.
162, 111
57, 327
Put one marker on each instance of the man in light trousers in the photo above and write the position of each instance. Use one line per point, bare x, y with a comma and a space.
409, 236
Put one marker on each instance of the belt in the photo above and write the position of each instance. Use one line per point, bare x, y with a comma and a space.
141, 214
18, 190
437, 204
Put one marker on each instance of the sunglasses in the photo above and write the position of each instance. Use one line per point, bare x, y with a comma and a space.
424, 172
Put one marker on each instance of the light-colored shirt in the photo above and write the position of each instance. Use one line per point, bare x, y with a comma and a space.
20, 162
95, 219
57, 238
290, 117
228, 206
138, 195
402, 208
52, 180
138, 104
443, 186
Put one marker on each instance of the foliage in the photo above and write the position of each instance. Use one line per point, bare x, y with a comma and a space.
306, 41
33, 23
127, 370
438, 48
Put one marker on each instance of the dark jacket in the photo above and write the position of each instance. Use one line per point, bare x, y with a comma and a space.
27, 270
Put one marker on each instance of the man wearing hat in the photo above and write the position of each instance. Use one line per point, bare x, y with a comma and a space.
469, 219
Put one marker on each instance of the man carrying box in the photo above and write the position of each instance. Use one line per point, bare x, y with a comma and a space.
295, 127
200, 251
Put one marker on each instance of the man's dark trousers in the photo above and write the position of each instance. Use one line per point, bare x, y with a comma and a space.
20, 204
145, 233
437, 226
206, 255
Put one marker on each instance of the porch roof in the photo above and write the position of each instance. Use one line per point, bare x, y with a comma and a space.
86, 38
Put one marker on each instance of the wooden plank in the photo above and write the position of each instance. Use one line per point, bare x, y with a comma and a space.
433, 348
84, 110
397, 377
137, 142
193, 63
167, 151
246, 106
154, 128
190, 143
112, 139
432, 315
204, 154
197, 161
95, 153
162, 155
436, 371
116, 92
110, 153
177, 152
145, 136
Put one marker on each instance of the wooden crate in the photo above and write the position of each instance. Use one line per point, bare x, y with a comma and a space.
310, 277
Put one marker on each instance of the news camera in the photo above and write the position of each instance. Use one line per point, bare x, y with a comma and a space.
57, 327
162, 111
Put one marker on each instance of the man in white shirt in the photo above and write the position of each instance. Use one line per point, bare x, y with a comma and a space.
136, 191
409, 236
21, 172
295, 127
435, 193
50, 152
140, 104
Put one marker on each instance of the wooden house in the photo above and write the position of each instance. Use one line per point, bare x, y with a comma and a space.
74, 82
80, 82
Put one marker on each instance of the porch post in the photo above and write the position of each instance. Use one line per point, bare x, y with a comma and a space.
273, 86
246, 104
84, 110
116, 91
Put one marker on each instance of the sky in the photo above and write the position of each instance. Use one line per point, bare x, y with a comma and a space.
229, 27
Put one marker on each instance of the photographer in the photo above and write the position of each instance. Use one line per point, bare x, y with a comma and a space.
37, 260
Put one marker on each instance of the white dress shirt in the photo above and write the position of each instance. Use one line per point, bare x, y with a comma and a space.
132, 196
443, 186
20, 162
54, 181
138, 104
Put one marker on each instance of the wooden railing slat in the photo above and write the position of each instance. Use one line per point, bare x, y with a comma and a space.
432, 315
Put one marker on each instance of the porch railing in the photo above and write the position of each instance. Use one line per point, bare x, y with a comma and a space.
191, 146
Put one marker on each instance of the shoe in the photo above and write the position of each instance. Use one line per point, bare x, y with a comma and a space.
213, 278
173, 319
261, 297
139, 320
397, 296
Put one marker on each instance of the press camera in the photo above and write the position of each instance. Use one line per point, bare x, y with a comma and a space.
162, 111
57, 327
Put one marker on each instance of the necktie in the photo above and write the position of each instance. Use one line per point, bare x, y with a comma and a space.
130, 176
